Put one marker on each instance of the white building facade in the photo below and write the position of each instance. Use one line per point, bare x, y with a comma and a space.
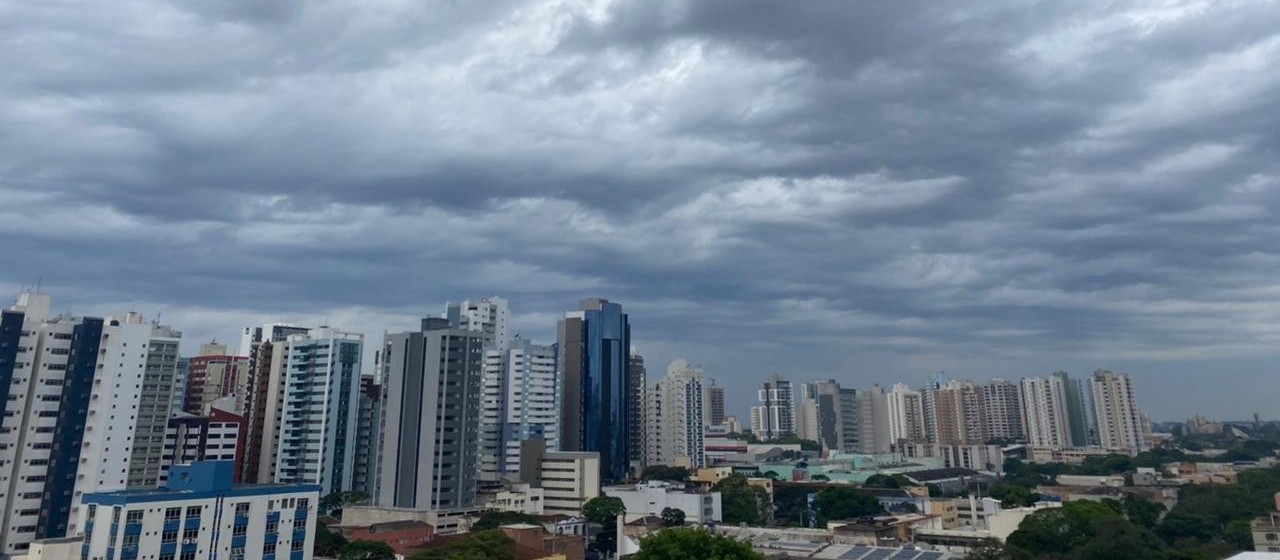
71, 389
319, 409
1044, 409
676, 417
906, 415
1116, 407
650, 498
520, 401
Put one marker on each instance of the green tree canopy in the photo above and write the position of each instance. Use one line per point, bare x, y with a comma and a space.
672, 517
742, 503
366, 550
690, 543
663, 472
603, 509
328, 543
838, 502
494, 519
479, 545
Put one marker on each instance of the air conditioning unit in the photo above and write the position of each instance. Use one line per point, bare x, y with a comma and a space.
188, 541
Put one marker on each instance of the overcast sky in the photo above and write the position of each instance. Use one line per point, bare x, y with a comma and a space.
863, 190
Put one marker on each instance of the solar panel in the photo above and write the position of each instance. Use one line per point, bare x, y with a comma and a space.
854, 553
904, 554
878, 554
929, 556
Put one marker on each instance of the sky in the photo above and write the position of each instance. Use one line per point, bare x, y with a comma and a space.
866, 191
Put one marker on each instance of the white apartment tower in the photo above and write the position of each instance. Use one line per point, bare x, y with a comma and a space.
154, 406
319, 409
1002, 411
906, 415
774, 417
1044, 410
676, 417
71, 390
490, 316
519, 402
1119, 420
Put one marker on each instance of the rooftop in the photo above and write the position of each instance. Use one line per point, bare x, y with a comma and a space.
948, 473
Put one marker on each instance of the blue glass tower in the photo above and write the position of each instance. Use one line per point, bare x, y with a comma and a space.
595, 375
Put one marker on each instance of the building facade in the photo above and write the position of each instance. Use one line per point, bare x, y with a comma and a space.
1002, 411
258, 344
368, 434
676, 417
597, 387
319, 409
490, 316
906, 415
429, 457
200, 513
1116, 408
520, 401
1044, 407
153, 406
714, 400
774, 417
650, 498
637, 410
212, 375
70, 389
191, 438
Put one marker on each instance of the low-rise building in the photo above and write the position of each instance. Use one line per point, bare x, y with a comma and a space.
200, 513
568, 479
1266, 530
650, 498
401, 536
518, 498
190, 438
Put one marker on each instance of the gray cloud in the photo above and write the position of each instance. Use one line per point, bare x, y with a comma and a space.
849, 190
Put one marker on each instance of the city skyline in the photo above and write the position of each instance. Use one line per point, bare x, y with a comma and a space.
872, 193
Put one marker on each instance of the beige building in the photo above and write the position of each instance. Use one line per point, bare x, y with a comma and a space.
569, 479
1266, 530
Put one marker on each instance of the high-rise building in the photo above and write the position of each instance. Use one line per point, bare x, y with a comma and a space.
1044, 406
258, 345
958, 414
368, 430
178, 393
519, 402
806, 413
212, 375
637, 410
69, 394
1115, 404
928, 398
200, 513
1002, 411
774, 417
715, 404
319, 409
490, 316
676, 417
153, 406
850, 420
597, 388
431, 417
1081, 415
906, 415
873, 420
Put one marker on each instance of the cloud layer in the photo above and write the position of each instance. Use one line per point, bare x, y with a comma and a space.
865, 191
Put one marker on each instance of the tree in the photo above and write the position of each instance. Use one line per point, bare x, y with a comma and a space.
819, 478
663, 472
672, 517
988, 549
845, 503
336, 500
366, 550
1014, 496
327, 543
604, 511
481, 545
494, 519
691, 543
887, 481
742, 503
1142, 511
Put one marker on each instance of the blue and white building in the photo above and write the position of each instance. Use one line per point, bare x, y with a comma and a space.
201, 514
70, 393
520, 401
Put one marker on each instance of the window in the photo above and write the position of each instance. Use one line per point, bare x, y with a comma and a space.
134, 516
131, 541
296, 546
268, 548
193, 511
303, 503
237, 553
115, 515
169, 537
168, 556
273, 527
190, 534
242, 509
172, 514
239, 530
93, 508
187, 556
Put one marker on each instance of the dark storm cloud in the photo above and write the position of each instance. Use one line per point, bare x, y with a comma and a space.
866, 191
